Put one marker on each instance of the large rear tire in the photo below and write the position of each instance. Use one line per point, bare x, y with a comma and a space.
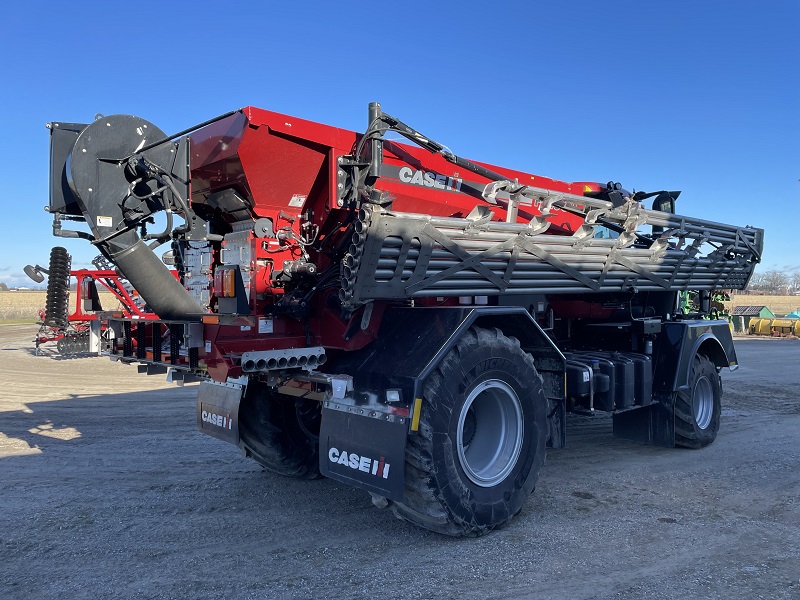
481, 440
57, 301
698, 409
280, 432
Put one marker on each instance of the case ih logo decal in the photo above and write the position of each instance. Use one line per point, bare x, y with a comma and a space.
378, 467
429, 179
222, 421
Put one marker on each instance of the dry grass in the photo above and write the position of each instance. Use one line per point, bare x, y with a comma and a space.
23, 307
779, 305
20, 307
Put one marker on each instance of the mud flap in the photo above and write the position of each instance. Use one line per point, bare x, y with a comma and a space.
367, 452
218, 410
651, 424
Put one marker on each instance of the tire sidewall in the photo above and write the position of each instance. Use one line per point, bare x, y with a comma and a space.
456, 488
705, 368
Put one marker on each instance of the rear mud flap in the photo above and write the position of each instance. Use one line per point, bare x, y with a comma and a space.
364, 451
218, 410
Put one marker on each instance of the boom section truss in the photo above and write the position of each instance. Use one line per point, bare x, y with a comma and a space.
397, 255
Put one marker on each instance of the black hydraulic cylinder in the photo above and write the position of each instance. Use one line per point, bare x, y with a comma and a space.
376, 158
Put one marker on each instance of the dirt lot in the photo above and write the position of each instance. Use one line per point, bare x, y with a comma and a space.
109, 492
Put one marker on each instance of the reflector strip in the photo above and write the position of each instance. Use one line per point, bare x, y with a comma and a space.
415, 416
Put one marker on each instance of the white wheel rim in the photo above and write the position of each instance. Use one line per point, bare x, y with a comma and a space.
703, 402
492, 414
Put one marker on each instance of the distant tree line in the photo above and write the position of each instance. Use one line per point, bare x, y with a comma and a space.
775, 283
772, 282
4, 287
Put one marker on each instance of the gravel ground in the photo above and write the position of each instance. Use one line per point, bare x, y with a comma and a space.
108, 491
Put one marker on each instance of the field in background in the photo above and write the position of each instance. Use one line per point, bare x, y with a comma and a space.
779, 305
23, 306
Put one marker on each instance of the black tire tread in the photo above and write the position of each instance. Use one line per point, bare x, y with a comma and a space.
687, 434
270, 435
421, 504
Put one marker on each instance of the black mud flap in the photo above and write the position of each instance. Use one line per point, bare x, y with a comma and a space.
218, 410
651, 424
367, 452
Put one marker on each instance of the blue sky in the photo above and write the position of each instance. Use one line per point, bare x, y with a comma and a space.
698, 96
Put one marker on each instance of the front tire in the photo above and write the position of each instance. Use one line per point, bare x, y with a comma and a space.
698, 409
481, 439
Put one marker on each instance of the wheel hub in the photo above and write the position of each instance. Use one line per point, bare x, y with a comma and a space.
703, 402
490, 432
